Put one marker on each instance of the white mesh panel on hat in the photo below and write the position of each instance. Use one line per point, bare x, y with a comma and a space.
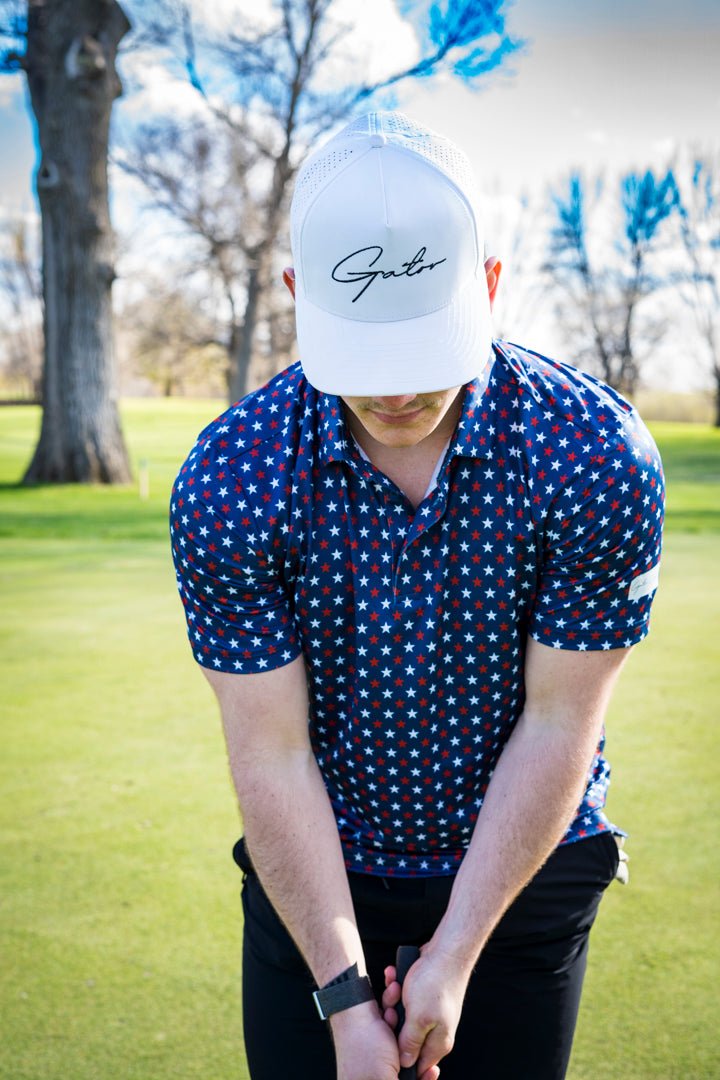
435, 148
314, 173
400, 131
320, 167
359, 126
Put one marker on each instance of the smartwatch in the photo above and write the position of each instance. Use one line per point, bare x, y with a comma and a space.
348, 989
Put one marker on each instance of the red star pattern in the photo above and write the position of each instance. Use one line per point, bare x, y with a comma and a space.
548, 506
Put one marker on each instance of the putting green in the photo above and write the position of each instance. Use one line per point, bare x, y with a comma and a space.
120, 929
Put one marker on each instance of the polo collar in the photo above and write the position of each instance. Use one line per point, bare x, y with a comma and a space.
474, 435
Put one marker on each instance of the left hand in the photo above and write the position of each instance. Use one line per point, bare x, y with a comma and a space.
432, 994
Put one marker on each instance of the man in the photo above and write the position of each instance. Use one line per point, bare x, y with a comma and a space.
413, 566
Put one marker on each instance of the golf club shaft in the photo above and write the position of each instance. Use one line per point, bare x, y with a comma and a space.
406, 957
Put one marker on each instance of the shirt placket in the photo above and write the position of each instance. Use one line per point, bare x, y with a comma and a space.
415, 571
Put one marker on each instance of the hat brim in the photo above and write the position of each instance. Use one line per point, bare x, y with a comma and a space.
448, 347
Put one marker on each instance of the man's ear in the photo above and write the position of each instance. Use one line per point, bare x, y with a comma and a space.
289, 279
493, 266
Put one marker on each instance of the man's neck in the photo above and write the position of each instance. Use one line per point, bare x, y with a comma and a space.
409, 467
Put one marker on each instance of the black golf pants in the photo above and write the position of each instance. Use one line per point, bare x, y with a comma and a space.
522, 1001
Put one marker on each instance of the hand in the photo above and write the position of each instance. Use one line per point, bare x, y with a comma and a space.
365, 1047
432, 994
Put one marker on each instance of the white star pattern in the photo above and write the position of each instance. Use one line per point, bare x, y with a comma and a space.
548, 504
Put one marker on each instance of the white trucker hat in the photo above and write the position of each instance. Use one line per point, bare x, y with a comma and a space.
390, 289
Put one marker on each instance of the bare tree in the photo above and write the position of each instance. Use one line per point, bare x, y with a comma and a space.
700, 230
21, 287
228, 176
69, 61
173, 343
516, 232
604, 288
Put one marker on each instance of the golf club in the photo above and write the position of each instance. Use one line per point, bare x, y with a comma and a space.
405, 958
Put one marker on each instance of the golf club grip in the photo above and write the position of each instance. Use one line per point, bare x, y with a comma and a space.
405, 958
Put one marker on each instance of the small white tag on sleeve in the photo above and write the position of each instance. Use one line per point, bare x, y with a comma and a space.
644, 584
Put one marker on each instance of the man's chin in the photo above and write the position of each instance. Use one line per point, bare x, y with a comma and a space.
397, 438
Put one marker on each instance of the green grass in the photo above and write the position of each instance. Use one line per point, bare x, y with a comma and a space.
119, 904
119, 909
650, 1008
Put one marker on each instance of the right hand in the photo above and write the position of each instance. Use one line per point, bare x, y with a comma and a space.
365, 1046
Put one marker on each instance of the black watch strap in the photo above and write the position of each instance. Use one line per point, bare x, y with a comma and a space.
346, 990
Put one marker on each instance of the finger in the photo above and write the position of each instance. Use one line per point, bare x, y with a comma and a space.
391, 996
390, 1017
437, 1044
410, 1046
390, 974
430, 1074
426, 1046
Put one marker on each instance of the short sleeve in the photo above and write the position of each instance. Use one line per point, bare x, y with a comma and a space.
602, 548
238, 613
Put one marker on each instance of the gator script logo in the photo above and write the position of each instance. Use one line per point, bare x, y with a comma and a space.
361, 267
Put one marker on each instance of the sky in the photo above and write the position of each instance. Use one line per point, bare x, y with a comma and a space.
601, 84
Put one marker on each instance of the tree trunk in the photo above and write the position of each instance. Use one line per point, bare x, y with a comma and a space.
70, 67
245, 337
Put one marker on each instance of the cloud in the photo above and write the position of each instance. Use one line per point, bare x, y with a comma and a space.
381, 40
12, 90
159, 91
666, 147
373, 43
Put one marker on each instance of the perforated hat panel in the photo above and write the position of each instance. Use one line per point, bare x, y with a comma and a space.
390, 290
398, 130
312, 177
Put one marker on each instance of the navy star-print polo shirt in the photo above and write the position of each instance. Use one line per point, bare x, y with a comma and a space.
545, 520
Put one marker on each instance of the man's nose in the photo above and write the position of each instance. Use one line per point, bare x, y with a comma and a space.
396, 402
